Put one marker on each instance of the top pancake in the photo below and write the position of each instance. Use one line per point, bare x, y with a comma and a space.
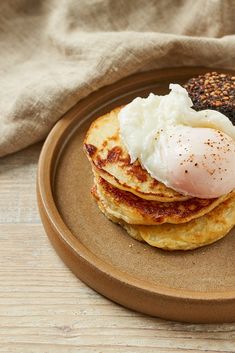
111, 161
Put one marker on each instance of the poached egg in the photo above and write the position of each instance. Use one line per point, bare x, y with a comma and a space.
191, 152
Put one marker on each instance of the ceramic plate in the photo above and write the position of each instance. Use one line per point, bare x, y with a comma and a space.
193, 286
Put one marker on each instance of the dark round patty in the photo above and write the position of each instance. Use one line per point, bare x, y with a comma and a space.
213, 91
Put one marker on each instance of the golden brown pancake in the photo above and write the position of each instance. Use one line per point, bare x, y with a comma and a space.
109, 215
147, 209
187, 236
111, 161
134, 210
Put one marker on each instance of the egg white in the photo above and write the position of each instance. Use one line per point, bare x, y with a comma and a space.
164, 133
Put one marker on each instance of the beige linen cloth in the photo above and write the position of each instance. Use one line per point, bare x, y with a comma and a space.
55, 52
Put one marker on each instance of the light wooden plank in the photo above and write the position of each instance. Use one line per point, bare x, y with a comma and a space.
47, 348
17, 186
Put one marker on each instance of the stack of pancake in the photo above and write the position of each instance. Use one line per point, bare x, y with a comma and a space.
146, 208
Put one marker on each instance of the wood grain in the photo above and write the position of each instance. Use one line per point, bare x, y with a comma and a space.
44, 308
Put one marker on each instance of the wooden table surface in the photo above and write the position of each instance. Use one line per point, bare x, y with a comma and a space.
45, 308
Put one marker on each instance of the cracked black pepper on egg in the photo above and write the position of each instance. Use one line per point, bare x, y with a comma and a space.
213, 91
